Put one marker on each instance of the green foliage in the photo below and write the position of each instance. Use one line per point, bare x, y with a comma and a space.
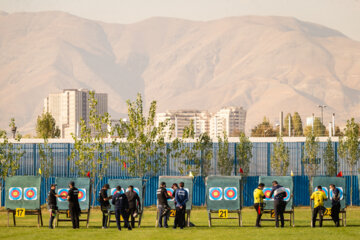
264, 129
225, 161
46, 159
349, 148
297, 125
10, 154
46, 126
329, 159
319, 128
310, 161
286, 124
145, 151
244, 154
280, 157
89, 148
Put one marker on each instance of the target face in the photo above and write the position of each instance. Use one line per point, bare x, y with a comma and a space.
267, 192
63, 192
82, 194
215, 193
288, 193
114, 191
15, 193
135, 190
30, 193
230, 193
325, 190
341, 193
170, 192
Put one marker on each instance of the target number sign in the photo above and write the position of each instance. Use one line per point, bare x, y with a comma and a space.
223, 213
327, 212
20, 212
172, 213
272, 213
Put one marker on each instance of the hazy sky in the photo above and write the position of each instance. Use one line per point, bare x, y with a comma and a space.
343, 15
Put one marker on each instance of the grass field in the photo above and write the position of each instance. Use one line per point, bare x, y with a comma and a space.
222, 229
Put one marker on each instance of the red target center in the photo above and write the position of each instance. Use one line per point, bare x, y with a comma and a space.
169, 193
80, 195
230, 193
15, 193
267, 194
30, 193
216, 193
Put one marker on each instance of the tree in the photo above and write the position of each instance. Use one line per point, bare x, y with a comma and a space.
264, 129
144, 151
280, 157
319, 129
297, 125
46, 126
310, 160
329, 159
10, 155
225, 160
349, 149
46, 158
286, 124
244, 153
90, 153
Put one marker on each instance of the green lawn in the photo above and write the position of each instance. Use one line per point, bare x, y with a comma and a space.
222, 229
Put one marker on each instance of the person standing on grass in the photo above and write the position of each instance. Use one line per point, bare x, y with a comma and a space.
163, 206
279, 204
74, 206
181, 197
52, 204
335, 205
134, 203
121, 208
259, 203
104, 204
318, 197
175, 187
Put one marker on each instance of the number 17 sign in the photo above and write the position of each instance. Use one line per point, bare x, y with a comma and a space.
20, 212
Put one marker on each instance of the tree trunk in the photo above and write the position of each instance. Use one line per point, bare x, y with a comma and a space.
351, 185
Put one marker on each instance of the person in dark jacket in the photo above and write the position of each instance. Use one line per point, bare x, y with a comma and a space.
52, 204
335, 205
279, 204
104, 204
74, 206
163, 206
175, 187
134, 204
181, 197
120, 201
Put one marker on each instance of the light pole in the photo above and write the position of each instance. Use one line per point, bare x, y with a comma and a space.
322, 112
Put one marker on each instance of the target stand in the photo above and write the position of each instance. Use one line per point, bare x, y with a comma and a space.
224, 215
173, 214
67, 218
27, 213
327, 216
270, 212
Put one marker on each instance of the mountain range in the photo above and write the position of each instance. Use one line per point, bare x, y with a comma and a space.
266, 64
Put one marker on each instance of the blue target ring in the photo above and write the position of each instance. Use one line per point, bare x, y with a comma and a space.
15, 193
114, 191
267, 192
30, 193
230, 193
170, 192
341, 193
288, 194
63, 193
82, 194
215, 193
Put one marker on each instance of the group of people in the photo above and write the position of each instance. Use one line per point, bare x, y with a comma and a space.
180, 197
279, 193
126, 205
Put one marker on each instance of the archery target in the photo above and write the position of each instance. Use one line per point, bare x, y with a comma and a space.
170, 192
288, 193
82, 194
30, 193
135, 190
325, 190
267, 192
341, 193
230, 193
186, 189
63, 192
114, 191
215, 193
15, 193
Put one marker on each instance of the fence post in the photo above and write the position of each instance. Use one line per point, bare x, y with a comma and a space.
68, 162
235, 160
336, 155
167, 160
34, 156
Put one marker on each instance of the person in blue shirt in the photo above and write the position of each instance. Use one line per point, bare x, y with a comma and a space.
121, 203
279, 204
335, 205
181, 197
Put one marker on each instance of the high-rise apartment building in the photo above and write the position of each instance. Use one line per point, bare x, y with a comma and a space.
72, 105
228, 119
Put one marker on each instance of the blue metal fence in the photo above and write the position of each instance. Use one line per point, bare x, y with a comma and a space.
260, 165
